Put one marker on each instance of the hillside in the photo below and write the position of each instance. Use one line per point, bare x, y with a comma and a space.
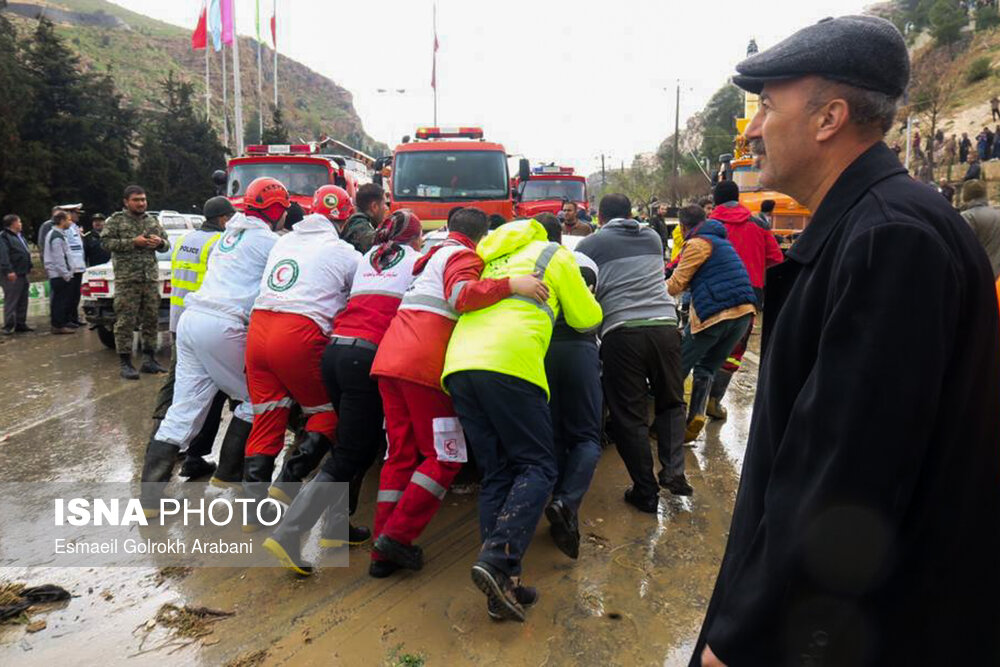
139, 52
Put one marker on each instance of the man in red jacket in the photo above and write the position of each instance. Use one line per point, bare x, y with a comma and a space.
426, 445
759, 251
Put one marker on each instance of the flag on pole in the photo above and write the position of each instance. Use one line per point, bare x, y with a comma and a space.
256, 19
199, 38
434, 66
215, 24
274, 32
228, 29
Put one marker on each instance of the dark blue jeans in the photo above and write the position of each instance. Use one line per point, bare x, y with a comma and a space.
707, 350
508, 426
573, 368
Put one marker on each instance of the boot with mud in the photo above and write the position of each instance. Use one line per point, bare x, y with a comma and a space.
564, 528
257, 471
128, 371
380, 569
498, 586
696, 408
286, 541
408, 556
526, 596
229, 473
150, 364
299, 465
195, 468
157, 467
720, 384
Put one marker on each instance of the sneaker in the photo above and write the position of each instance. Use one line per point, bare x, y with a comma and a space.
564, 530
409, 556
678, 486
526, 596
647, 505
493, 582
61, 331
8, 332
23, 328
73, 325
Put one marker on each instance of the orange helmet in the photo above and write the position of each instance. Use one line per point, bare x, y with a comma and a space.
333, 202
263, 193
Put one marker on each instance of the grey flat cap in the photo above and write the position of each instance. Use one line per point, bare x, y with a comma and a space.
863, 51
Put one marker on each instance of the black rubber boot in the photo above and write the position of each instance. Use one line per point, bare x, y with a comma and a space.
297, 467
150, 365
409, 556
257, 471
720, 384
229, 473
286, 542
696, 408
356, 535
127, 369
195, 467
157, 467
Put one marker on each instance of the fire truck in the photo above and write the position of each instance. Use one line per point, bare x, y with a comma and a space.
302, 168
444, 168
547, 188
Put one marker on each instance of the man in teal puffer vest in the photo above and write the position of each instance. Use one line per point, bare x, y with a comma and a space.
722, 305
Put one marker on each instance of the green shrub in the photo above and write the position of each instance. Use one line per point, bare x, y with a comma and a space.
978, 70
987, 18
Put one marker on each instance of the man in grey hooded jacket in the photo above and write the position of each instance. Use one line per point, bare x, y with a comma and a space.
984, 220
59, 267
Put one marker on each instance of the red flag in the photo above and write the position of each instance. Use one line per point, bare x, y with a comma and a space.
434, 67
199, 38
274, 33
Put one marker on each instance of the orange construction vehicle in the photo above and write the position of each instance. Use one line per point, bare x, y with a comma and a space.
446, 168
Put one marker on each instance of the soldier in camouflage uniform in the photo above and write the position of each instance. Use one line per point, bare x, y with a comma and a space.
133, 237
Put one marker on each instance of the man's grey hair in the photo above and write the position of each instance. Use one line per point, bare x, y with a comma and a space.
868, 108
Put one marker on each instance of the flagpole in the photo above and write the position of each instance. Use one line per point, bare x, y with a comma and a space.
208, 89
260, 80
435, 64
274, 36
237, 88
225, 102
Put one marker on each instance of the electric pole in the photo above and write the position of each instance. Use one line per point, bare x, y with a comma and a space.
604, 180
677, 138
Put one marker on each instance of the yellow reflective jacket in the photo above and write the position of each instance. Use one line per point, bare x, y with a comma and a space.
678, 239
188, 264
512, 336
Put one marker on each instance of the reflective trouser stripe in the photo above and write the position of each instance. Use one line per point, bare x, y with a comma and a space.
316, 409
388, 496
428, 484
261, 408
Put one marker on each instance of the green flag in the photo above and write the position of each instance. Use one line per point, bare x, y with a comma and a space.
257, 20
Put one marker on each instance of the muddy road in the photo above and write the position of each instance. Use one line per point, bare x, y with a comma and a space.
636, 596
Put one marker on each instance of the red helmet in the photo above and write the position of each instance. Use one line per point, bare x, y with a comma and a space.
263, 193
333, 202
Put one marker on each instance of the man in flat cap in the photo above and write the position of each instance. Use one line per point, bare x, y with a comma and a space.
867, 524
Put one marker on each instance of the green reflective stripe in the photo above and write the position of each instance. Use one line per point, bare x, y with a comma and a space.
541, 306
177, 300
428, 484
267, 406
455, 292
432, 303
207, 248
388, 496
316, 409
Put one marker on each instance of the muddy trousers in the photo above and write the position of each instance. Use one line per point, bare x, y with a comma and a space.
202, 443
635, 362
509, 427
210, 351
346, 369
413, 481
573, 368
283, 362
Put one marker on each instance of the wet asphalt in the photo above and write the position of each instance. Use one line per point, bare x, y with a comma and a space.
636, 595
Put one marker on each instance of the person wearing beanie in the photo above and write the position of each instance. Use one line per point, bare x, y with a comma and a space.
984, 220
865, 527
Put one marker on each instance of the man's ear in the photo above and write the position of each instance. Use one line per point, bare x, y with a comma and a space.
831, 119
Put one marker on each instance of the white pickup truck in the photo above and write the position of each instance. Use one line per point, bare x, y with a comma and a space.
97, 291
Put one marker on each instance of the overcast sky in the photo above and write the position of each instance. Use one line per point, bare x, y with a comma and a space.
562, 80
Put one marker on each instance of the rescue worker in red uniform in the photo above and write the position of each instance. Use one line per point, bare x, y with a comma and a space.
381, 279
421, 424
305, 284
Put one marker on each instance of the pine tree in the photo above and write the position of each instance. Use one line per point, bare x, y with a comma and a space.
276, 132
180, 150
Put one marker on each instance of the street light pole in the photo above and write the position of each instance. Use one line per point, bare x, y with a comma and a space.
677, 137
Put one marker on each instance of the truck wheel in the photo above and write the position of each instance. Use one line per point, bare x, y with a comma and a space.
107, 337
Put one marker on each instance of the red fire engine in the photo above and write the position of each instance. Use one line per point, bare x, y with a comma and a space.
300, 167
444, 168
547, 188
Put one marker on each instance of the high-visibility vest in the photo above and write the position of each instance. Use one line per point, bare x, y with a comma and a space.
188, 264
